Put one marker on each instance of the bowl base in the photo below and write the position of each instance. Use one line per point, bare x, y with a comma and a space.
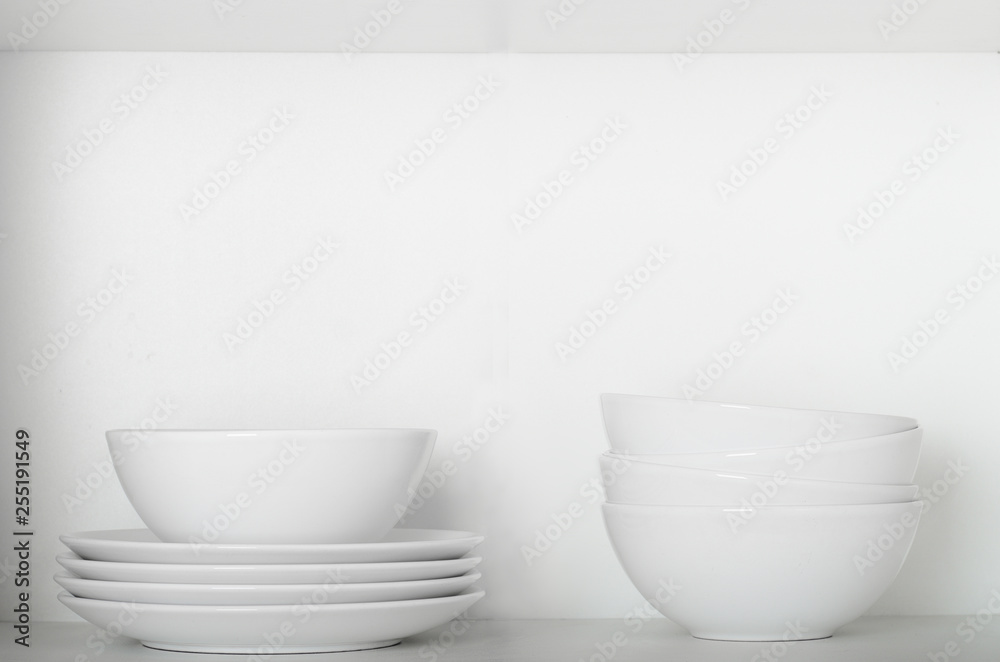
762, 638
269, 650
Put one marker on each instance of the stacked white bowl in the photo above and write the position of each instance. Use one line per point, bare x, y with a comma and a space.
269, 541
751, 523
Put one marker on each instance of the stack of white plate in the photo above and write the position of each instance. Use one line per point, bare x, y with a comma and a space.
274, 598
758, 523
310, 563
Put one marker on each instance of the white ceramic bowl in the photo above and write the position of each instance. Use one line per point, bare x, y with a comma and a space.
634, 480
270, 486
796, 572
890, 459
646, 425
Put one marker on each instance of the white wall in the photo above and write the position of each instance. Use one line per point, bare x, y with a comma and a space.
323, 176
489, 26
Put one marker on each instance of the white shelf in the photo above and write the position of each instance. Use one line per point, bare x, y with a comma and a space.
874, 639
517, 26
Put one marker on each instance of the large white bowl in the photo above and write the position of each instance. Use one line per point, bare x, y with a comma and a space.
637, 481
798, 572
891, 459
646, 424
270, 486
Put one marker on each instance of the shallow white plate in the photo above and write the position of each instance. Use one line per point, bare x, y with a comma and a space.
275, 573
141, 546
271, 629
264, 594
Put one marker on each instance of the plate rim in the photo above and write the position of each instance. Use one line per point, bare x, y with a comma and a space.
474, 575
479, 593
422, 545
89, 537
369, 565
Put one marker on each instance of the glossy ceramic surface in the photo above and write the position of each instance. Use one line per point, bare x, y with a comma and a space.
263, 630
646, 425
141, 546
776, 573
269, 573
890, 459
270, 486
634, 480
264, 594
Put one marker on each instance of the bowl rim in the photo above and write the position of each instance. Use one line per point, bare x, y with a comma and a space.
701, 472
247, 431
742, 405
900, 505
911, 436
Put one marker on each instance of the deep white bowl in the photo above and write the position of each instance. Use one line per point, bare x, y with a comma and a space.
634, 480
647, 425
270, 486
888, 459
797, 572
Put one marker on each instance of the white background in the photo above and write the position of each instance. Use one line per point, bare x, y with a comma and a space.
523, 26
324, 176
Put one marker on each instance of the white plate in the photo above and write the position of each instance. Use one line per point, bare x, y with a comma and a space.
141, 546
264, 594
275, 573
292, 628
